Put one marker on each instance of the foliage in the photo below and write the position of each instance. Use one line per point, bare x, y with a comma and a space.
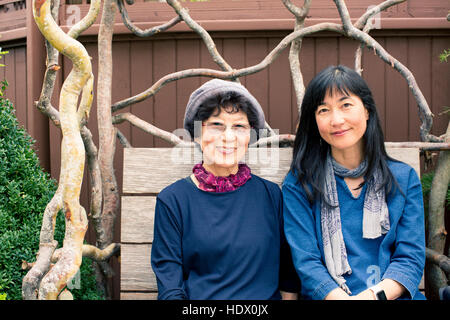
2, 295
2, 53
25, 190
3, 83
444, 55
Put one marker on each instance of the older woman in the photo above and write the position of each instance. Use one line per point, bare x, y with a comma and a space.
219, 232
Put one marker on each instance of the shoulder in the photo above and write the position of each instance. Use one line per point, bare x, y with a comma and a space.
291, 182
270, 186
403, 172
179, 189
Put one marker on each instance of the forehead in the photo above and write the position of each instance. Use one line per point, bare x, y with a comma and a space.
338, 94
229, 116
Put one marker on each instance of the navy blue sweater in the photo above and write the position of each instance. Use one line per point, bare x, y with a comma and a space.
221, 246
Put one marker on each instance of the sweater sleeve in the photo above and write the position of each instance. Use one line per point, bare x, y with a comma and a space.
166, 256
408, 260
289, 280
300, 230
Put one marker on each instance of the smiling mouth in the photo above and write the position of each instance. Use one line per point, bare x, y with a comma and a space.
339, 133
226, 150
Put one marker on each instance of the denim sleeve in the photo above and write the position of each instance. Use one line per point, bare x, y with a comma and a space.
300, 231
166, 256
408, 260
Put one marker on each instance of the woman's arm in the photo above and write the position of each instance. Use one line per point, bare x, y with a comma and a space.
300, 231
392, 290
407, 262
408, 259
166, 254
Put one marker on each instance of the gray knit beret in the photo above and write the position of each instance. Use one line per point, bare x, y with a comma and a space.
215, 87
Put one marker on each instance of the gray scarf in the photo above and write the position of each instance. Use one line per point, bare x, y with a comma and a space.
375, 217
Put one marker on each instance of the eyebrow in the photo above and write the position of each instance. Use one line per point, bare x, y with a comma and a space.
341, 99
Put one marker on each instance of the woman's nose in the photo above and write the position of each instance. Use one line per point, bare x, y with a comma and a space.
228, 134
337, 118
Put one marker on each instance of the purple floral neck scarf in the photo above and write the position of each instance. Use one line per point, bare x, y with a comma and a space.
211, 183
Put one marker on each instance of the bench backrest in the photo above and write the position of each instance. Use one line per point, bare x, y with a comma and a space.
147, 171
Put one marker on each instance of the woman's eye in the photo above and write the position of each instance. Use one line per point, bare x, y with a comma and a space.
322, 110
347, 105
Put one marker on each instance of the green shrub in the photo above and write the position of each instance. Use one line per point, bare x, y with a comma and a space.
2, 295
25, 190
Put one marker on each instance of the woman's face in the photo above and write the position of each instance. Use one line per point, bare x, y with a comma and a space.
342, 121
224, 141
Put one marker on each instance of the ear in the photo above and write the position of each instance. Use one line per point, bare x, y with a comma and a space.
366, 113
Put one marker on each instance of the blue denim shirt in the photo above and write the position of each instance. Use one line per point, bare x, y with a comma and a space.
398, 255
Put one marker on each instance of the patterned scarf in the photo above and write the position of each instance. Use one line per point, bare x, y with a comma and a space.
375, 217
211, 183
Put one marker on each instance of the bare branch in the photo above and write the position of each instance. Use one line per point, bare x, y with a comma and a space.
299, 13
425, 113
123, 140
438, 259
32, 280
428, 146
87, 20
148, 32
294, 59
226, 75
363, 24
101, 255
92, 252
72, 150
87, 96
106, 130
358, 53
95, 179
278, 139
210, 45
149, 128
362, 21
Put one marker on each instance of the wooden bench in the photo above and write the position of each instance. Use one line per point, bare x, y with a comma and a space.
148, 170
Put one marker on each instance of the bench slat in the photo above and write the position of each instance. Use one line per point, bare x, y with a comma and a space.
138, 296
136, 272
149, 170
137, 218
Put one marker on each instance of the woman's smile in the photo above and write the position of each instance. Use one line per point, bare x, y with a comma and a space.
340, 133
226, 150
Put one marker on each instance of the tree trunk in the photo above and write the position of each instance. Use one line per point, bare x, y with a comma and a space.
107, 132
72, 159
436, 278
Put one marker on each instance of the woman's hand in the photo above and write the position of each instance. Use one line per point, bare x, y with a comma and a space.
288, 295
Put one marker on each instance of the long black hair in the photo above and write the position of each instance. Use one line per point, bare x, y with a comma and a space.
310, 151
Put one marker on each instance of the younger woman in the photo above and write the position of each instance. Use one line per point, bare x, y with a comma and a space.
353, 216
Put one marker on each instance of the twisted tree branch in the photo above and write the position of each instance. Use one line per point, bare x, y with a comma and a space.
148, 32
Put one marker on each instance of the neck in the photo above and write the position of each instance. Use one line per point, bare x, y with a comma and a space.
221, 171
349, 159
